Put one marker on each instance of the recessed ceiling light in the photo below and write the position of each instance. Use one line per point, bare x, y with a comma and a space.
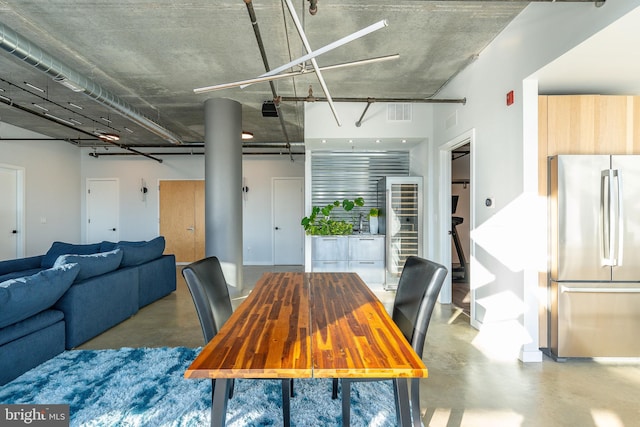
350, 141
324, 141
247, 135
377, 141
404, 141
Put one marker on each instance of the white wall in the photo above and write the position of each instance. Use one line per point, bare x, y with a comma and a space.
139, 219
504, 270
52, 187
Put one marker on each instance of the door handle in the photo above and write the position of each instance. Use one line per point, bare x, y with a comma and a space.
190, 228
277, 228
14, 231
112, 229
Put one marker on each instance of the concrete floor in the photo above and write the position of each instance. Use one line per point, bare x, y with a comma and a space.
469, 384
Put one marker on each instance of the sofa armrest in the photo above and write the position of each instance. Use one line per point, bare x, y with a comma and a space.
20, 264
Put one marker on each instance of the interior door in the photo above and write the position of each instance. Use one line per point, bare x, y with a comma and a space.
288, 208
182, 219
8, 214
103, 212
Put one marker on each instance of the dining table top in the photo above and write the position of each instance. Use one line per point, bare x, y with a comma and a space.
303, 325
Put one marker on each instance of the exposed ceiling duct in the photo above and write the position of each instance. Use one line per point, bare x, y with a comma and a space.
33, 55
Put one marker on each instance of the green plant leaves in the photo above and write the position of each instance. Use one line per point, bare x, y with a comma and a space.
325, 226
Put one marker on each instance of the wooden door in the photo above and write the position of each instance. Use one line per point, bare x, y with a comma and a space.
182, 219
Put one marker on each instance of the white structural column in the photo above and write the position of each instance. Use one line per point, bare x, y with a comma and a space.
223, 185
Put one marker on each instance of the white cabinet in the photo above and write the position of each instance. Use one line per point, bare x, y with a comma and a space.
362, 254
330, 253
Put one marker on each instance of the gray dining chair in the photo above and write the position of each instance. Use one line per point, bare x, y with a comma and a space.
210, 294
416, 296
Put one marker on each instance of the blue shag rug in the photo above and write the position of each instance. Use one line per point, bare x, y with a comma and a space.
146, 387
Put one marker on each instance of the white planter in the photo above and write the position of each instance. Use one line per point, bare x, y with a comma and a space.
373, 225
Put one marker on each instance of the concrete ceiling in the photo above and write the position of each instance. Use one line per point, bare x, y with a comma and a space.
151, 54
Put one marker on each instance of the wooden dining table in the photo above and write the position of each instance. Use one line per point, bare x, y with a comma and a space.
308, 325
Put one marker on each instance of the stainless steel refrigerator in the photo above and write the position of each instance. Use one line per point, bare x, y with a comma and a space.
594, 269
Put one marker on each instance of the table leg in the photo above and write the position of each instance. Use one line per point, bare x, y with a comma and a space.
219, 403
286, 406
402, 401
346, 402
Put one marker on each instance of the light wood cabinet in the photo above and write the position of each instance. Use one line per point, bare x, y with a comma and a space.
583, 124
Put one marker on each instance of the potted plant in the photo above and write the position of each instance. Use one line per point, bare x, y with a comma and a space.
321, 223
373, 220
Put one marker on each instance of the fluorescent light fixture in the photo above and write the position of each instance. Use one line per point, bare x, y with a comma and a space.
128, 130
5, 98
105, 119
247, 135
59, 119
71, 119
39, 89
69, 84
79, 107
39, 106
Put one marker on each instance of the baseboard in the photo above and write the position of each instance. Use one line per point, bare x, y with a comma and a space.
530, 356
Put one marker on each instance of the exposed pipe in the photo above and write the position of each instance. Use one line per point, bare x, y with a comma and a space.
359, 122
313, 7
370, 100
29, 52
43, 116
263, 54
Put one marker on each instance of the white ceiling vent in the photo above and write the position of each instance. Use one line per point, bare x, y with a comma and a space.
399, 112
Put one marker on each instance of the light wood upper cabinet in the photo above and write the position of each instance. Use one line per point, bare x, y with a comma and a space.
589, 124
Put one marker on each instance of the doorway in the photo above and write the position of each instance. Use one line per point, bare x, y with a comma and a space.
182, 219
464, 173
460, 219
103, 211
288, 208
12, 231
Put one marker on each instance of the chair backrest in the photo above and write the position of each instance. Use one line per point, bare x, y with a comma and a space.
416, 296
210, 294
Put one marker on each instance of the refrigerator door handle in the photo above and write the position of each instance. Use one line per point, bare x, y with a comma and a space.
606, 213
619, 224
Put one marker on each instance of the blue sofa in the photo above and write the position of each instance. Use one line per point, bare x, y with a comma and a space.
89, 289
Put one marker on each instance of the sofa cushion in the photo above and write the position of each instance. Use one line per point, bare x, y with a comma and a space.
22, 273
20, 264
61, 248
136, 253
106, 246
93, 264
25, 296
30, 325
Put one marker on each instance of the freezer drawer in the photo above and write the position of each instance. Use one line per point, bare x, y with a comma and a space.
594, 319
